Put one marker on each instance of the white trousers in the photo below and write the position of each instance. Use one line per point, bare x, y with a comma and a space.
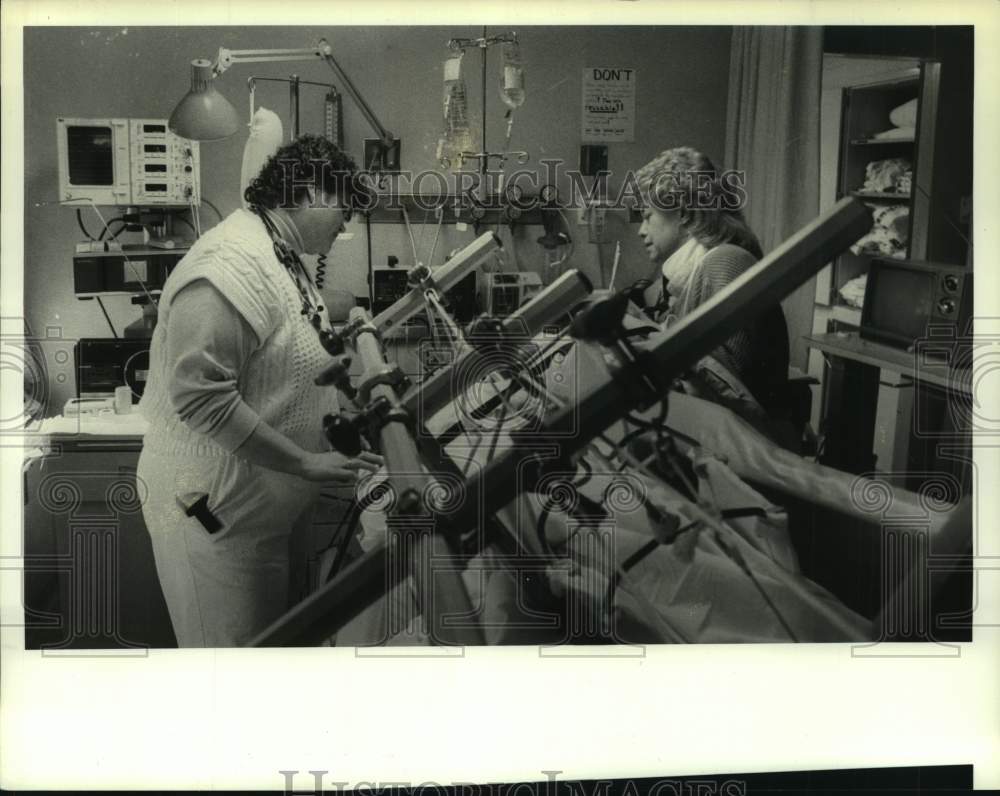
222, 588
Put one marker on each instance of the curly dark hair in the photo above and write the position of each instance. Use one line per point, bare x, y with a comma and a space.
310, 161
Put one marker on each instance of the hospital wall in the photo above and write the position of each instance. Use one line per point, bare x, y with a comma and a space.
142, 72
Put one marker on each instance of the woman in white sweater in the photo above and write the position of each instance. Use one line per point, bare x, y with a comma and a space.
235, 455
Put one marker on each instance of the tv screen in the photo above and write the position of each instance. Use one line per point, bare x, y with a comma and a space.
901, 302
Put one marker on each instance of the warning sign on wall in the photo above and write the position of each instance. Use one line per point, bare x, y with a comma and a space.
608, 104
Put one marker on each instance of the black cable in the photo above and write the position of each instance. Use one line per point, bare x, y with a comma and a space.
106, 316
83, 228
646, 425
341, 554
371, 266
543, 517
637, 556
947, 217
627, 564
337, 498
472, 455
644, 331
321, 266
189, 224
342, 538
551, 503
749, 511
733, 553
335, 536
496, 433
666, 449
206, 202
107, 226
490, 404
738, 559
619, 571
114, 235
634, 434
667, 457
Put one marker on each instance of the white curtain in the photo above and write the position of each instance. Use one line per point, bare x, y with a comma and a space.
772, 134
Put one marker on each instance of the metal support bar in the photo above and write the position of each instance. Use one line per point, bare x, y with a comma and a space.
441, 590
483, 165
226, 58
293, 98
445, 277
255, 78
572, 428
557, 299
384, 135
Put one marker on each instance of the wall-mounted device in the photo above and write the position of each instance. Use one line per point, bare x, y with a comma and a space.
388, 287
105, 364
126, 162
123, 272
81, 407
904, 299
505, 293
391, 285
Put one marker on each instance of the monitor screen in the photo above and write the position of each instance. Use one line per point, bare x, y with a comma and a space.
91, 157
901, 302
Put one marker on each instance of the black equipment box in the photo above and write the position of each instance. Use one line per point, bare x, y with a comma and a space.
391, 285
127, 271
104, 364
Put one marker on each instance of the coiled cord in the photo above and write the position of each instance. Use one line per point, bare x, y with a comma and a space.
320, 271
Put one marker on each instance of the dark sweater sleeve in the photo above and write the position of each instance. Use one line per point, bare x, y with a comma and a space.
717, 269
758, 353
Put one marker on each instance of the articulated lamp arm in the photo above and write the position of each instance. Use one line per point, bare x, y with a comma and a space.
185, 119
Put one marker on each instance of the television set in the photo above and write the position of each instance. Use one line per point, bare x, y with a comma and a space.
906, 301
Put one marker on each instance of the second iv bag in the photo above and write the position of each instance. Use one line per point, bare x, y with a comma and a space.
512, 76
457, 136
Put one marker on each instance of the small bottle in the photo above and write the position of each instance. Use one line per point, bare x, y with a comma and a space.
123, 400
512, 77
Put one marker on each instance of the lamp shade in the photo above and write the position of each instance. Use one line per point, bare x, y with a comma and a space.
204, 114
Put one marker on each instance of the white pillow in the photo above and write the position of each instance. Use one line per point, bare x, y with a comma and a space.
905, 115
266, 135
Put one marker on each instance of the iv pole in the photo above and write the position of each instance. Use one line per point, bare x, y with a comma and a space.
483, 44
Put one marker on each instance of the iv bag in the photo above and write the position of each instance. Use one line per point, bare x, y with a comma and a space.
512, 76
265, 138
457, 136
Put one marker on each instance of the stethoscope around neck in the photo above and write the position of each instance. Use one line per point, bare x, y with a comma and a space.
312, 307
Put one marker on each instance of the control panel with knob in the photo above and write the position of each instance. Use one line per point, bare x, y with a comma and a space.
165, 167
946, 306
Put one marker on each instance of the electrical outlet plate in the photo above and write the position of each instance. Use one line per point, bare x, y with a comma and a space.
593, 159
594, 216
597, 223
379, 159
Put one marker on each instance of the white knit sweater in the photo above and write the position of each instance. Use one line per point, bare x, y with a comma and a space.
237, 258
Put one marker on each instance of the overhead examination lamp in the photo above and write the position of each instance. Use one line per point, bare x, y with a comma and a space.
205, 115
